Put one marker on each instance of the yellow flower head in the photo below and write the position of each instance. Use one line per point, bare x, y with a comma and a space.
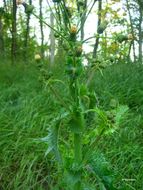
130, 37
37, 57
73, 29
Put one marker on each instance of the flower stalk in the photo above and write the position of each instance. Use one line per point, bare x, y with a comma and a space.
74, 70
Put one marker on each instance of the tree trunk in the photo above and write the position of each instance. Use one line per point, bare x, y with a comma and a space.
52, 40
5, 4
27, 35
41, 28
140, 35
98, 24
129, 52
140, 2
82, 10
1, 38
132, 29
14, 32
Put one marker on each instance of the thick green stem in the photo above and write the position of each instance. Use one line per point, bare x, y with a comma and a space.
77, 125
77, 136
78, 148
77, 186
78, 157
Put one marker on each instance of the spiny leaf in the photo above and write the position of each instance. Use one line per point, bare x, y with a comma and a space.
52, 138
102, 171
52, 141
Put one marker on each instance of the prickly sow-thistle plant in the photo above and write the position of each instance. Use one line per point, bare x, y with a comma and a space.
72, 167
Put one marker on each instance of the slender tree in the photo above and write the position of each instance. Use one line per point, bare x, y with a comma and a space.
27, 31
14, 32
136, 13
82, 10
1, 32
132, 30
41, 28
140, 34
98, 25
52, 39
140, 2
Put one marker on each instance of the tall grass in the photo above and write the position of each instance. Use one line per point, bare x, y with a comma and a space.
122, 82
124, 148
25, 112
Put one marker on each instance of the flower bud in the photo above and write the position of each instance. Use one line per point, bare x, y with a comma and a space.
130, 37
73, 29
102, 27
28, 8
124, 14
79, 51
121, 38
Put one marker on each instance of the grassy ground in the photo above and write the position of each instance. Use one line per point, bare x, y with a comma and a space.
125, 147
26, 109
